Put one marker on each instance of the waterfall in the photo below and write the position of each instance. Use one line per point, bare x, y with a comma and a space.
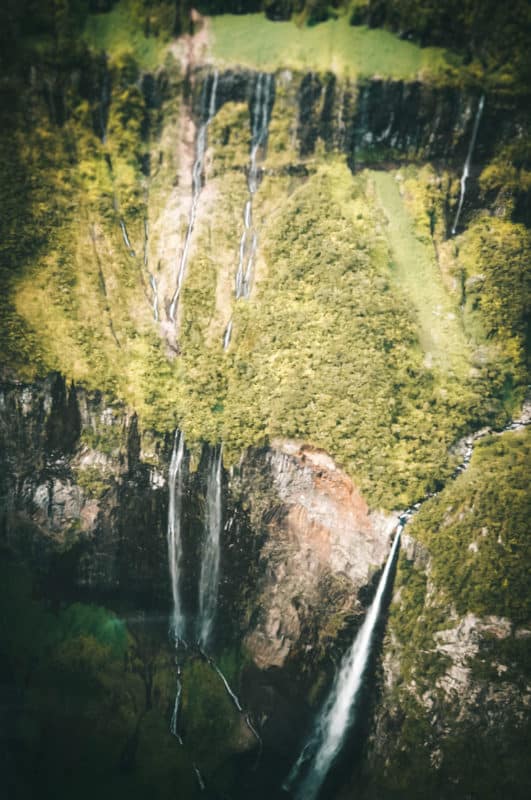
249, 237
200, 781
466, 168
232, 695
153, 284
209, 578
207, 114
125, 237
174, 723
175, 485
337, 714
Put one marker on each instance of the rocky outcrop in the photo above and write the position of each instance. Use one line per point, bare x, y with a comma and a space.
322, 549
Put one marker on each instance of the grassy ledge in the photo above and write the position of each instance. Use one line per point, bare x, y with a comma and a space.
254, 41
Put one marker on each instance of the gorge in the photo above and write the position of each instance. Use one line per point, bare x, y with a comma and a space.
264, 400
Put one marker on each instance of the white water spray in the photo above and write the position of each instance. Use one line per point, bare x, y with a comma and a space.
197, 184
249, 238
209, 577
175, 486
337, 715
466, 168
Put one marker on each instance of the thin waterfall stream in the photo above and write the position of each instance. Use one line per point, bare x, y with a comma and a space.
208, 110
468, 160
249, 238
175, 487
210, 561
177, 620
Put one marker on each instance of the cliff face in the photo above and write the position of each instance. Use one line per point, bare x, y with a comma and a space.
86, 497
452, 711
337, 344
78, 495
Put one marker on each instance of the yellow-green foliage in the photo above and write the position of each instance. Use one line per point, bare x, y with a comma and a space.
349, 340
327, 348
477, 530
476, 537
494, 255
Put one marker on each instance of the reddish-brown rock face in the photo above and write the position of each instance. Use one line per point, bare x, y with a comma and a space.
323, 546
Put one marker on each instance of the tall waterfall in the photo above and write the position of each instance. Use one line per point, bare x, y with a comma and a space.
249, 238
208, 109
466, 168
175, 486
337, 714
209, 578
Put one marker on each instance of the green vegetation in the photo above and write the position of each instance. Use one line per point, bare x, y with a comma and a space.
118, 32
416, 270
255, 41
494, 259
352, 339
475, 539
90, 700
494, 39
326, 349
476, 530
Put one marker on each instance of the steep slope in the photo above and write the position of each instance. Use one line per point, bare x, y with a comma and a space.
297, 187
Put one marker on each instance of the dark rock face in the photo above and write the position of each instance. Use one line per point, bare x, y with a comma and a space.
75, 490
384, 120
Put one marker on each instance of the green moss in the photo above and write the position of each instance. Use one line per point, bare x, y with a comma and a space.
208, 715
93, 481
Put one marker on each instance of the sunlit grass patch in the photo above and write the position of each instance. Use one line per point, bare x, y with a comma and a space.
254, 41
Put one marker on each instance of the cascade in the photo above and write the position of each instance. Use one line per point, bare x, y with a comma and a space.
174, 723
126, 239
175, 486
207, 114
466, 168
200, 781
337, 715
225, 682
153, 284
249, 237
209, 577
